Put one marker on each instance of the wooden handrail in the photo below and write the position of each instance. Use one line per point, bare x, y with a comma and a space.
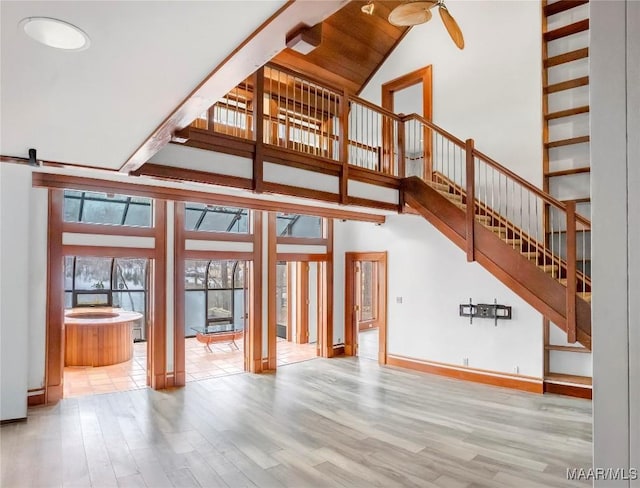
375, 108
531, 241
431, 125
544, 196
534, 189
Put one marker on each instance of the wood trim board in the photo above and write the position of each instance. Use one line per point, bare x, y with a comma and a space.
516, 382
57, 181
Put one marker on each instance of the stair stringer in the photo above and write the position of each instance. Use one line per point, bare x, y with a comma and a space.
518, 273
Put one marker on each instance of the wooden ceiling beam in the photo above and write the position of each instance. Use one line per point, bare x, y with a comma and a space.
267, 41
67, 182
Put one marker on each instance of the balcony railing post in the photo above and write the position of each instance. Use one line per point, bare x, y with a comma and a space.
571, 272
344, 147
258, 130
401, 160
211, 122
471, 211
427, 148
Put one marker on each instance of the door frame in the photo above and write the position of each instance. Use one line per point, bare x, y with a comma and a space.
325, 285
53, 389
350, 315
425, 76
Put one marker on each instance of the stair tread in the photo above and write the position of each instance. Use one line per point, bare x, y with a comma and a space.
566, 57
567, 142
562, 6
530, 254
497, 229
484, 218
568, 378
568, 172
453, 196
554, 347
567, 30
566, 85
438, 186
548, 267
567, 113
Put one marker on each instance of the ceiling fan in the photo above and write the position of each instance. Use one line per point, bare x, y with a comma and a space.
414, 12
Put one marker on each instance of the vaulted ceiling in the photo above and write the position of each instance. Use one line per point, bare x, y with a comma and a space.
353, 46
96, 107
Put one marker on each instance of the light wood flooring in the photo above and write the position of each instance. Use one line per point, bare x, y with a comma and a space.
220, 359
368, 344
341, 422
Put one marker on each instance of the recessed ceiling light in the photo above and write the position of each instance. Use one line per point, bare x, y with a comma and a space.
55, 33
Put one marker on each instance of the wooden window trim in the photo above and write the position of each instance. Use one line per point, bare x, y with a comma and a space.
107, 229
54, 340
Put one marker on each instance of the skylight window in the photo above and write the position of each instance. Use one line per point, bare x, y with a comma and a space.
210, 218
102, 208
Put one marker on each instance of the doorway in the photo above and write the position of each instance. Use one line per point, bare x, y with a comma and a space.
366, 305
408, 94
215, 317
297, 311
106, 309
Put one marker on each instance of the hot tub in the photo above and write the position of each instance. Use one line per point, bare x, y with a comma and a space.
98, 336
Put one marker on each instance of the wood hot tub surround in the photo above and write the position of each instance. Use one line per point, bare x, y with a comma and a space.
98, 337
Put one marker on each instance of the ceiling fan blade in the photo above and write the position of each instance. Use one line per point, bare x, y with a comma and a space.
452, 26
412, 13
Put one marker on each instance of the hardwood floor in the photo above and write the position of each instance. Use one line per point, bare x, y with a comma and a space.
368, 344
338, 422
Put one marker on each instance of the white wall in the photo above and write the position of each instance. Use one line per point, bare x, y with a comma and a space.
615, 152
432, 277
38, 227
490, 91
313, 303
22, 290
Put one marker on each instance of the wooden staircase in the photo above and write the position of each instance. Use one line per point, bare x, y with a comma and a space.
523, 235
511, 254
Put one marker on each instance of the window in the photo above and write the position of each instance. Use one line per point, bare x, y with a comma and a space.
103, 208
107, 282
282, 288
211, 218
214, 294
369, 291
295, 225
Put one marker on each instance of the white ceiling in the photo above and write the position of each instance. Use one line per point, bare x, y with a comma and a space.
95, 107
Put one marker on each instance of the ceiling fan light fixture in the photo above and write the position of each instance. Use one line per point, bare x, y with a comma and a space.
368, 8
412, 13
55, 33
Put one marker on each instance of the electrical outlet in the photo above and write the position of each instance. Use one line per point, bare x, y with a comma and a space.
399, 300
465, 361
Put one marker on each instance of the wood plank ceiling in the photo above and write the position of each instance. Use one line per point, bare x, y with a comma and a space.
353, 47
